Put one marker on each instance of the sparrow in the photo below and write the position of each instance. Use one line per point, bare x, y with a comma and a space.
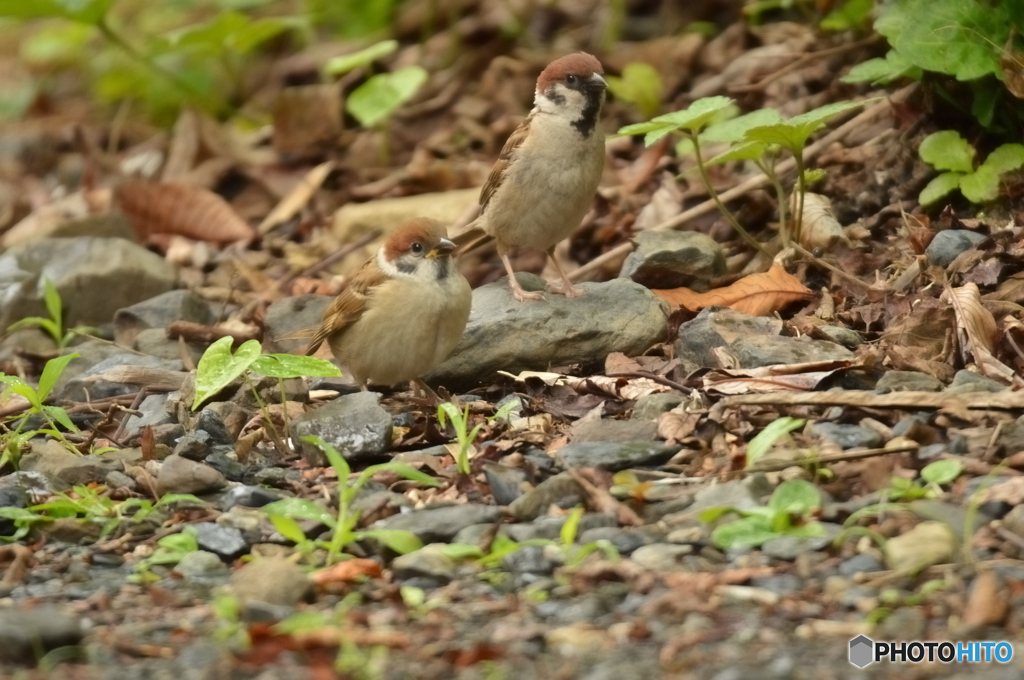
547, 173
404, 311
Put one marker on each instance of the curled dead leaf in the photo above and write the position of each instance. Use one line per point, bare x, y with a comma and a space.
976, 329
172, 208
819, 227
757, 294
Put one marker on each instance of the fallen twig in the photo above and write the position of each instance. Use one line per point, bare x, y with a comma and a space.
915, 401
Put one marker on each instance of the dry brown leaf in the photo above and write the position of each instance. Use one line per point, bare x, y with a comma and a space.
988, 602
171, 208
757, 294
819, 227
675, 426
347, 572
977, 331
1010, 492
297, 198
706, 582
804, 376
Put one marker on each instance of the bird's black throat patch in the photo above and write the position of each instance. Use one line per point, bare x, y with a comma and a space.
586, 123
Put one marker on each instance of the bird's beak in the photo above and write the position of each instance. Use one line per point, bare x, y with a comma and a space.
596, 81
443, 247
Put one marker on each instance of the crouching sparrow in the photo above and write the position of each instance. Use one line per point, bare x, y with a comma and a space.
547, 173
404, 311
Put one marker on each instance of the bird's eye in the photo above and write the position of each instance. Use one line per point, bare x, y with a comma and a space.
570, 79
417, 247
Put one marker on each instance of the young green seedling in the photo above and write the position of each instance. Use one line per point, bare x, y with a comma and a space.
788, 513
465, 436
950, 153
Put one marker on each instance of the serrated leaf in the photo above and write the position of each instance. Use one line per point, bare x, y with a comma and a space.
218, 367
697, 115
939, 187
293, 366
400, 541
383, 94
742, 533
1005, 158
748, 151
793, 134
980, 186
732, 130
766, 439
795, 497
345, 63
882, 70
947, 150
51, 374
942, 471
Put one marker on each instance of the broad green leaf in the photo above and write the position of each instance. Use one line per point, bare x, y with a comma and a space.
747, 151
639, 85
300, 508
218, 367
711, 514
343, 64
413, 597
571, 526
21, 388
942, 471
851, 14
882, 70
53, 303
795, 497
383, 94
947, 150
303, 622
1005, 158
766, 439
229, 31
980, 186
289, 528
460, 551
400, 541
793, 134
184, 542
744, 532
61, 416
731, 131
179, 498
30, 321
939, 187
644, 128
51, 373
292, 366
697, 115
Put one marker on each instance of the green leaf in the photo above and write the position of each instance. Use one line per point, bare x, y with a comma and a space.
1006, 158
53, 303
882, 70
343, 64
383, 94
766, 439
21, 388
337, 461
639, 85
793, 134
400, 541
747, 151
459, 551
711, 514
172, 498
731, 131
742, 533
303, 622
697, 115
947, 150
218, 367
292, 366
942, 471
571, 526
852, 14
83, 11
61, 416
184, 542
300, 508
289, 528
939, 187
795, 497
981, 185
51, 374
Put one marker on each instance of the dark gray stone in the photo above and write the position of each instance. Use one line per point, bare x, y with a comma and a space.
285, 319
670, 259
355, 424
211, 421
248, 497
608, 430
181, 475
849, 436
948, 244
790, 547
528, 560
428, 562
157, 312
506, 483
154, 412
615, 455
99, 381
625, 541
536, 501
227, 542
758, 351
26, 634
195, 446
717, 327
862, 562
968, 381
439, 525
508, 335
222, 460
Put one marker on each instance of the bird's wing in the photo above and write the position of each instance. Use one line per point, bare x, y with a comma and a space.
349, 306
514, 141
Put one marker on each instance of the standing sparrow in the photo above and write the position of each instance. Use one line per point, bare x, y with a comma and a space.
403, 312
548, 171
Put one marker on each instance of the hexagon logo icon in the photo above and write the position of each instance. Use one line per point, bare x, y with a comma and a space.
862, 651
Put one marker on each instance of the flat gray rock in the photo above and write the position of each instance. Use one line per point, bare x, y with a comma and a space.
27, 634
947, 244
507, 335
355, 424
616, 455
286, 319
718, 327
157, 312
670, 259
439, 525
94, 276
181, 475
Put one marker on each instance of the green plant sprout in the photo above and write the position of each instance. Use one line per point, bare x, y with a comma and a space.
284, 513
13, 441
169, 551
640, 85
465, 436
54, 326
574, 555
935, 476
758, 137
788, 513
950, 153
769, 436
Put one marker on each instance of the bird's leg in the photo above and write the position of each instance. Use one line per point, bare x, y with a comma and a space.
423, 391
566, 289
517, 290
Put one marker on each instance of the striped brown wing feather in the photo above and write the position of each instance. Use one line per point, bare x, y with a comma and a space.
349, 306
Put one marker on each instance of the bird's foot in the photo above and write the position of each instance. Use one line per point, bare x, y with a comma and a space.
522, 295
567, 289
